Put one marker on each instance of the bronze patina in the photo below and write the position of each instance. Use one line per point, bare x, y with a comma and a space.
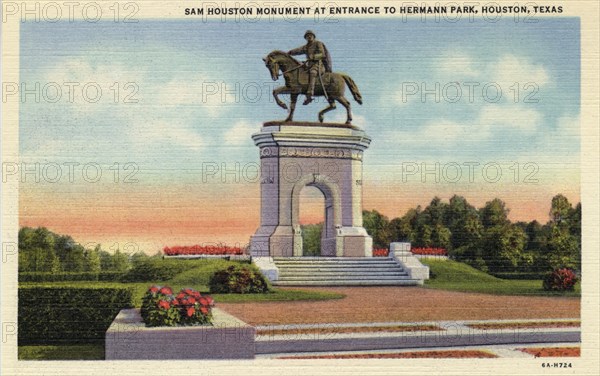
314, 77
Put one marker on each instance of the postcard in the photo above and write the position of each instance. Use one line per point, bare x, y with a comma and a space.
216, 187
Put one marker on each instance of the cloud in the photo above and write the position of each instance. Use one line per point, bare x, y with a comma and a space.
457, 64
240, 133
510, 118
510, 69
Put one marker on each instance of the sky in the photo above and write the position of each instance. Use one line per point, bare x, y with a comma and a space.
164, 155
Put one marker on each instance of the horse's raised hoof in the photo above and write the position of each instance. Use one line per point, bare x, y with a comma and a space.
283, 105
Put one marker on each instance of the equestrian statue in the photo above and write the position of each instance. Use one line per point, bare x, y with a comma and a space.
314, 77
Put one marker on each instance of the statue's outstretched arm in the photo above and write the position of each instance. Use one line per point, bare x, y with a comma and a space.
297, 51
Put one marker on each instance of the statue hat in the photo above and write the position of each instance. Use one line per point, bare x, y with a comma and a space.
309, 32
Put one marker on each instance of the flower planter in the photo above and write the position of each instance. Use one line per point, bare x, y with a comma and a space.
227, 338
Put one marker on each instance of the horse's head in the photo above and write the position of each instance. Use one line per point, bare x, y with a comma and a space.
277, 60
272, 65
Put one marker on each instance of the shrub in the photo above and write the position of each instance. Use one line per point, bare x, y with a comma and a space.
238, 280
62, 315
560, 280
189, 307
69, 276
156, 269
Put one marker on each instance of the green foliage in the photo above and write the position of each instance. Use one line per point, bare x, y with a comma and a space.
67, 352
69, 276
456, 276
377, 225
200, 271
494, 213
244, 279
485, 238
41, 250
311, 239
156, 269
51, 315
564, 250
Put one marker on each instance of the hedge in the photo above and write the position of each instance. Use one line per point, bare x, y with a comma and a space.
109, 276
518, 275
157, 269
68, 315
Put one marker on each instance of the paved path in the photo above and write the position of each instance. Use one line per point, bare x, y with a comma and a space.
404, 304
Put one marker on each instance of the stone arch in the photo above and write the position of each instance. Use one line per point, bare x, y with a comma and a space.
330, 246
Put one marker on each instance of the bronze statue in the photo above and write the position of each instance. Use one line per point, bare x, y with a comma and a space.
317, 62
298, 78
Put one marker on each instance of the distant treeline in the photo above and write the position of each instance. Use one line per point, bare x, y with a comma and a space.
485, 238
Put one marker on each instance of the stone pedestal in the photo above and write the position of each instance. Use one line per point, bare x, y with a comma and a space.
325, 156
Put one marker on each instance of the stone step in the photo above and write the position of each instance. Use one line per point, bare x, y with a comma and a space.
343, 277
310, 258
336, 264
286, 273
366, 282
339, 270
340, 260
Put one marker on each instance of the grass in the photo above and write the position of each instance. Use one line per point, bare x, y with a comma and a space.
456, 276
197, 277
62, 352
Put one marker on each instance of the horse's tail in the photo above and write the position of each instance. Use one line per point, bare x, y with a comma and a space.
353, 88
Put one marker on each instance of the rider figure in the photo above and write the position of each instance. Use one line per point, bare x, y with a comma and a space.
317, 62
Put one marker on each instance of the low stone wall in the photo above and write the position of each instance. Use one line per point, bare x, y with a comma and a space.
227, 338
402, 254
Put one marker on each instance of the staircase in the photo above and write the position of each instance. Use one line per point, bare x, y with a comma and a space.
341, 271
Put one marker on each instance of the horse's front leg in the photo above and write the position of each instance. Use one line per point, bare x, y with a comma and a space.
294, 98
276, 92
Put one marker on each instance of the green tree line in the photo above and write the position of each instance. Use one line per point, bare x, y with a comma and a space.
484, 237
41, 250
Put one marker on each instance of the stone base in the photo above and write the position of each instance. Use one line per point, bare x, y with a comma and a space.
267, 267
227, 338
356, 242
402, 254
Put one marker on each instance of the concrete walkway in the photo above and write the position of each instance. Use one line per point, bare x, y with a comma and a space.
341, 337
500, 351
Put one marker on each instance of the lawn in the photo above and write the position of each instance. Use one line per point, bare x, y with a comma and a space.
62, 352
456, 276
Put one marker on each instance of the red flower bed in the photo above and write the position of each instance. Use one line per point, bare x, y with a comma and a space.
202, 250
161, 308
429, 251
382, 252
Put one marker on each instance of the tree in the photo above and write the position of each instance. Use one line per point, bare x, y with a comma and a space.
435, 213
311, 239
560, 209
120, 261
378, 226
92, 259
494, 213
440, 236
564, 250
503, 247
424, 239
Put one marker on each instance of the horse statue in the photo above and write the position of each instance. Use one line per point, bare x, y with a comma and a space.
331, 85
